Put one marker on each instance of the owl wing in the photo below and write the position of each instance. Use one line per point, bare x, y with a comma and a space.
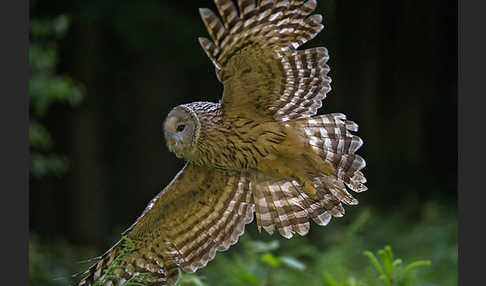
280, 203
202, 210
256, 58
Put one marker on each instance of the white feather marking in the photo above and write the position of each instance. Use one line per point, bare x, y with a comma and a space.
266, 216
340, 145
274, 16
314, 141
249, 21
324, 218
327, 143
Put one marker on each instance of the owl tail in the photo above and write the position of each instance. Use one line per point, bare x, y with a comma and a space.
283, 204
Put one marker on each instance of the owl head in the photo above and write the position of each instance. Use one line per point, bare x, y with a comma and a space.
181, 130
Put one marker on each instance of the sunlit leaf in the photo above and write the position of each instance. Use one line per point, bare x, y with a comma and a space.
271, 260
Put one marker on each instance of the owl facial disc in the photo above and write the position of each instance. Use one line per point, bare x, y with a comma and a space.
180, 130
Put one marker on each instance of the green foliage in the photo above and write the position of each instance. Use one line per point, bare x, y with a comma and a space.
128, 246
46, 88
390, 269
351, 281
332, 255
257, 263
327, 256
190, 279
52, 262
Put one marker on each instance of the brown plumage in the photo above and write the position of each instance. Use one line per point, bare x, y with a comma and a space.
261, 149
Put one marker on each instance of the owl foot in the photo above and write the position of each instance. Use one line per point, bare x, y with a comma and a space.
307, 186
320, 165
309, 189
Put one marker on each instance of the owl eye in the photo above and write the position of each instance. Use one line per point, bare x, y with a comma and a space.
180, 128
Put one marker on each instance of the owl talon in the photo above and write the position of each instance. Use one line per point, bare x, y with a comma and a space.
323, 166
308, 188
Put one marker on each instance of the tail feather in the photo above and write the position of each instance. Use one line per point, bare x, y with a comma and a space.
314, 208
338, 189
330, 137
282, 203
327, 199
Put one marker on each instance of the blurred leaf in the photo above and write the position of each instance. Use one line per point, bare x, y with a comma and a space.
397, 263
39, 138
271, 260
374, 262
358, 223
412, 266
42, 165
292, 263
56, 27
260, 246
387, 260
190, 279
330, 280
247, 277
389, 267
41, 60
52, 262
46, 88
60, 25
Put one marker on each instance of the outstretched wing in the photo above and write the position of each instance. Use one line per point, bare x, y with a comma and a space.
202, 210
256, 58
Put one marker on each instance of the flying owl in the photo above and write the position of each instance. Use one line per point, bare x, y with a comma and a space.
261, 149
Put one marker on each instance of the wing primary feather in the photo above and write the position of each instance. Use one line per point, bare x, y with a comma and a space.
213, 24
201, 211
261, 42
228, 12
245, 7
210, 49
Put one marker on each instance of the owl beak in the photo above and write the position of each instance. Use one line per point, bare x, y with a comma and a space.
170, 144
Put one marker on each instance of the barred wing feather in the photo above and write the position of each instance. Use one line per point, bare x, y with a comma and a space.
256, 58
201, 211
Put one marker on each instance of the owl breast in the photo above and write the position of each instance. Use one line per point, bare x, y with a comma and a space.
235, 143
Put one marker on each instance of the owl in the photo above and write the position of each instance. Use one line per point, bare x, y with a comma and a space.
261, 152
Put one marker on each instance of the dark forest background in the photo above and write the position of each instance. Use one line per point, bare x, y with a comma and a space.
394, 71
